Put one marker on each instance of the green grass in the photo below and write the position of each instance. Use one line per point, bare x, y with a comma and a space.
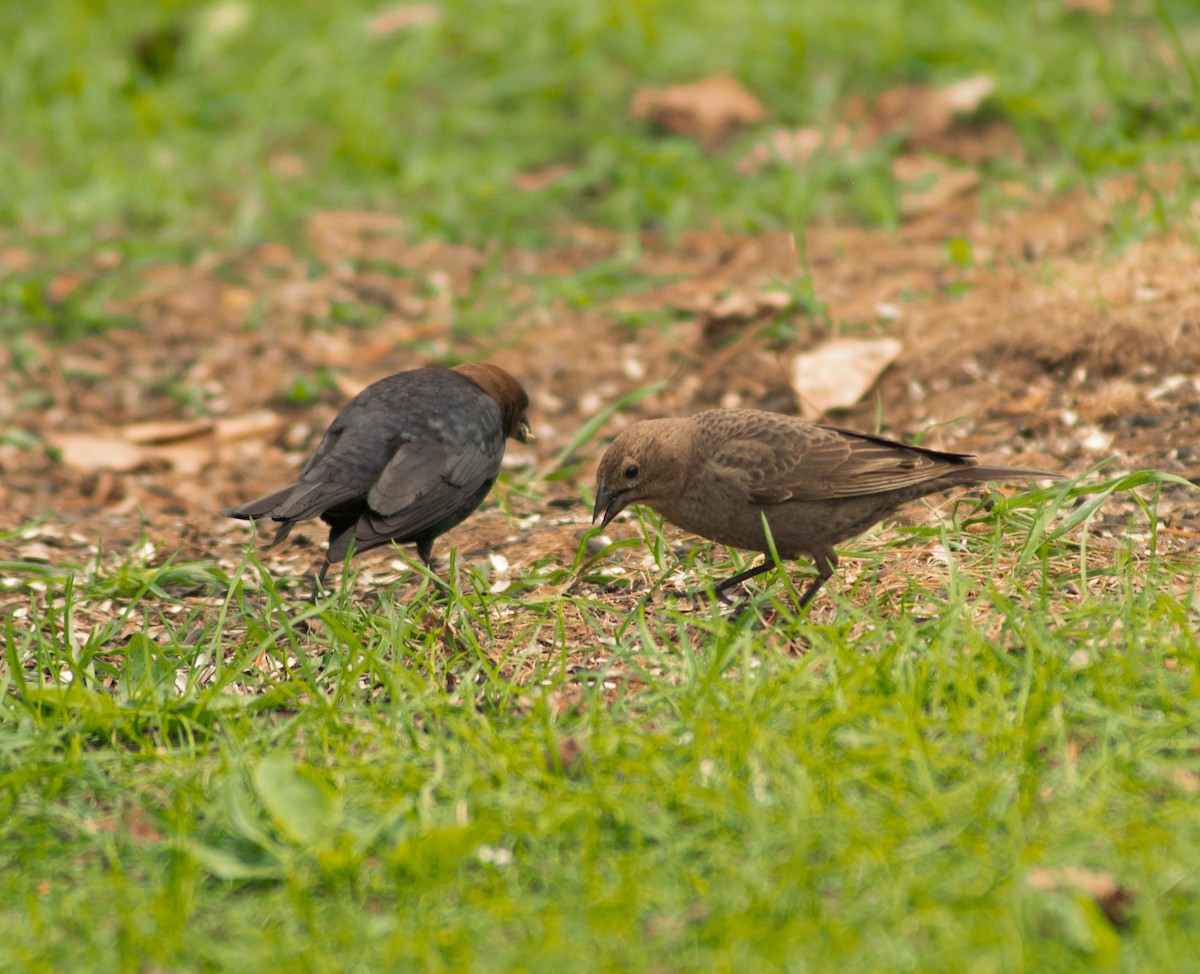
869, 792
191, 781
156, 122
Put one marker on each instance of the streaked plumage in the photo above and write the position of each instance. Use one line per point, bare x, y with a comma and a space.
719, 472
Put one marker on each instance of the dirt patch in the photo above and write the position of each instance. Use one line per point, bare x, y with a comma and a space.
1020, 335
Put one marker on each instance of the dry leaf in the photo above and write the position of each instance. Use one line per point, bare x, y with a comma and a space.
167, 431
1113, 899
938, 183
1187, 780
16, 259
922, 112
287, 165
707, 110
978, 143
743, 305
261, 422
89, 452
536, 179
565, 755
401, 18
836, 374
186, 458
62, 286
1101, 7
794, 146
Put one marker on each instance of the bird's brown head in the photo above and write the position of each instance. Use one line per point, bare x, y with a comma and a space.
509, 396
645, 464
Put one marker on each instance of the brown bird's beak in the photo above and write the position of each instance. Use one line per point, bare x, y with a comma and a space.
611, 503
525, 434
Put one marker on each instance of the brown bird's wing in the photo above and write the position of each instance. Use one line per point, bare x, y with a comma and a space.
825, 463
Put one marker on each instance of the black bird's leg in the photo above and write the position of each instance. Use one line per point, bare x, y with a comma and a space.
425, 553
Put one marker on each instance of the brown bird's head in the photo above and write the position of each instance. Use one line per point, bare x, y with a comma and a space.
509, 396
645, 464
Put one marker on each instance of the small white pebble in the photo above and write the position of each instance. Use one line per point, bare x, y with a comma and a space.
1096, 440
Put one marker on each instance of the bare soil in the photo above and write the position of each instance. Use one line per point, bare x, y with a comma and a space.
1046, 348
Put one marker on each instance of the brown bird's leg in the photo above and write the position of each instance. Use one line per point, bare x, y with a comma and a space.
826, 562
721, 587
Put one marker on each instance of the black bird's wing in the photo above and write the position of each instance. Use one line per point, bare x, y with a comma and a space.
406, 459
430, 486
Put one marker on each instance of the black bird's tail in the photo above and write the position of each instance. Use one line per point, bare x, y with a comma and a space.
263, 507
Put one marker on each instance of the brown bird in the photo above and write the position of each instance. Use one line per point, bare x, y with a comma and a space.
719, 473
405, 460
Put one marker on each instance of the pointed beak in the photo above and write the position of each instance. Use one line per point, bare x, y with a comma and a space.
611, 503
524, 434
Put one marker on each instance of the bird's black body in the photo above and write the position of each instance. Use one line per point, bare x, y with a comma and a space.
405, 460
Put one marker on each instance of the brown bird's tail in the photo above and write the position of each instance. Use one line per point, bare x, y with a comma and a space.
986, 473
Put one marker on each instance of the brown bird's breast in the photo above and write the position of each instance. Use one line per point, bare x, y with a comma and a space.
724, 514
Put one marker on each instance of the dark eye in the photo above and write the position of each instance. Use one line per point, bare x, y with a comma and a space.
631, 471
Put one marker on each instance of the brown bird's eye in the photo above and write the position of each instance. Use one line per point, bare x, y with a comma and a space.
631, 471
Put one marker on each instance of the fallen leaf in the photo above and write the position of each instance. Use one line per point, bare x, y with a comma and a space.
837, 373
89, 452
978, 143
258, 423
565, 754
1112, 898
707, 110
1101, 7
62, 286
1187, 780
402, 18
746, 305
187, 458
794, 146
167, 431
921, 112
924, 115
287, 165
937, 183
537, 179
16, 259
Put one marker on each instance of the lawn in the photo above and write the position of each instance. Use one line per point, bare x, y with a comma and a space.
977, 750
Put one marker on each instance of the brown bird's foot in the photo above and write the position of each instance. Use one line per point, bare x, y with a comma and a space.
721, 594
721, 588
813, 588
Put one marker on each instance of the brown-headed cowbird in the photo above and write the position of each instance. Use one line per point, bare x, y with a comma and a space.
405, 460
719, 473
